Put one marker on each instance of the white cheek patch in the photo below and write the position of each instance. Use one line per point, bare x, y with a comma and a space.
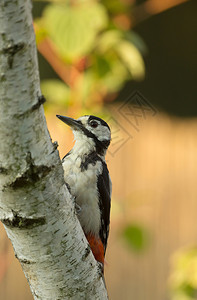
83, 143
102, 132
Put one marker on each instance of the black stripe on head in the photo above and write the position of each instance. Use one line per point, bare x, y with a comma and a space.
101, 146
98, 119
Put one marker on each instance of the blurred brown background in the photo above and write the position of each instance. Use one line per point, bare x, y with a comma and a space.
154, 185
152, 162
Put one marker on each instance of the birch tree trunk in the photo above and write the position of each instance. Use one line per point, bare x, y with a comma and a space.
35, 206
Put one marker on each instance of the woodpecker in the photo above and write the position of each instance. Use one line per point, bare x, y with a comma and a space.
87, 178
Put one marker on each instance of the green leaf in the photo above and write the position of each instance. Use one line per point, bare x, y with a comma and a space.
135, 237
55, 91
85, 87
116, 6
136, 40
189, 291
183, 279
132, 59
115, 78
108, 40
73, 29
101, 66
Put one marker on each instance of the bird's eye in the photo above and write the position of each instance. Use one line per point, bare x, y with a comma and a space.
93, 124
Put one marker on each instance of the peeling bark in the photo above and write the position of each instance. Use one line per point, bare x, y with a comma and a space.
35, 206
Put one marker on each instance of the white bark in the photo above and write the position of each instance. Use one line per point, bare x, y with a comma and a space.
35, 206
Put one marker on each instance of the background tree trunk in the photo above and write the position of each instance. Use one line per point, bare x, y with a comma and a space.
35, 206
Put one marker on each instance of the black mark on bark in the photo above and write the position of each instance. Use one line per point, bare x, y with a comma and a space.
87, 252
32, 174
41, 100
18, 221
3, 170
11, 50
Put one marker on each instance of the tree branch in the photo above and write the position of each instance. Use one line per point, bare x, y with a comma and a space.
35, 206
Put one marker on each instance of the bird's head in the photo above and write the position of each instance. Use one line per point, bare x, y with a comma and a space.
90, 131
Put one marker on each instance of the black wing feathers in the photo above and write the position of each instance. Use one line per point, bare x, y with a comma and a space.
105, 203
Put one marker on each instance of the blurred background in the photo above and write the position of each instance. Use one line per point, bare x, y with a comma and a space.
133, 63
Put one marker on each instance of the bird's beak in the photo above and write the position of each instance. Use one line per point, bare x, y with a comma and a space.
74, 124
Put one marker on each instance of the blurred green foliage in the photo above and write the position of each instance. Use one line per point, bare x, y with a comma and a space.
93, 40
57, 88
183, 279
136, 237
73, 29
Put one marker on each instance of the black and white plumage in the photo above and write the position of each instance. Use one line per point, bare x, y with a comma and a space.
87, 177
